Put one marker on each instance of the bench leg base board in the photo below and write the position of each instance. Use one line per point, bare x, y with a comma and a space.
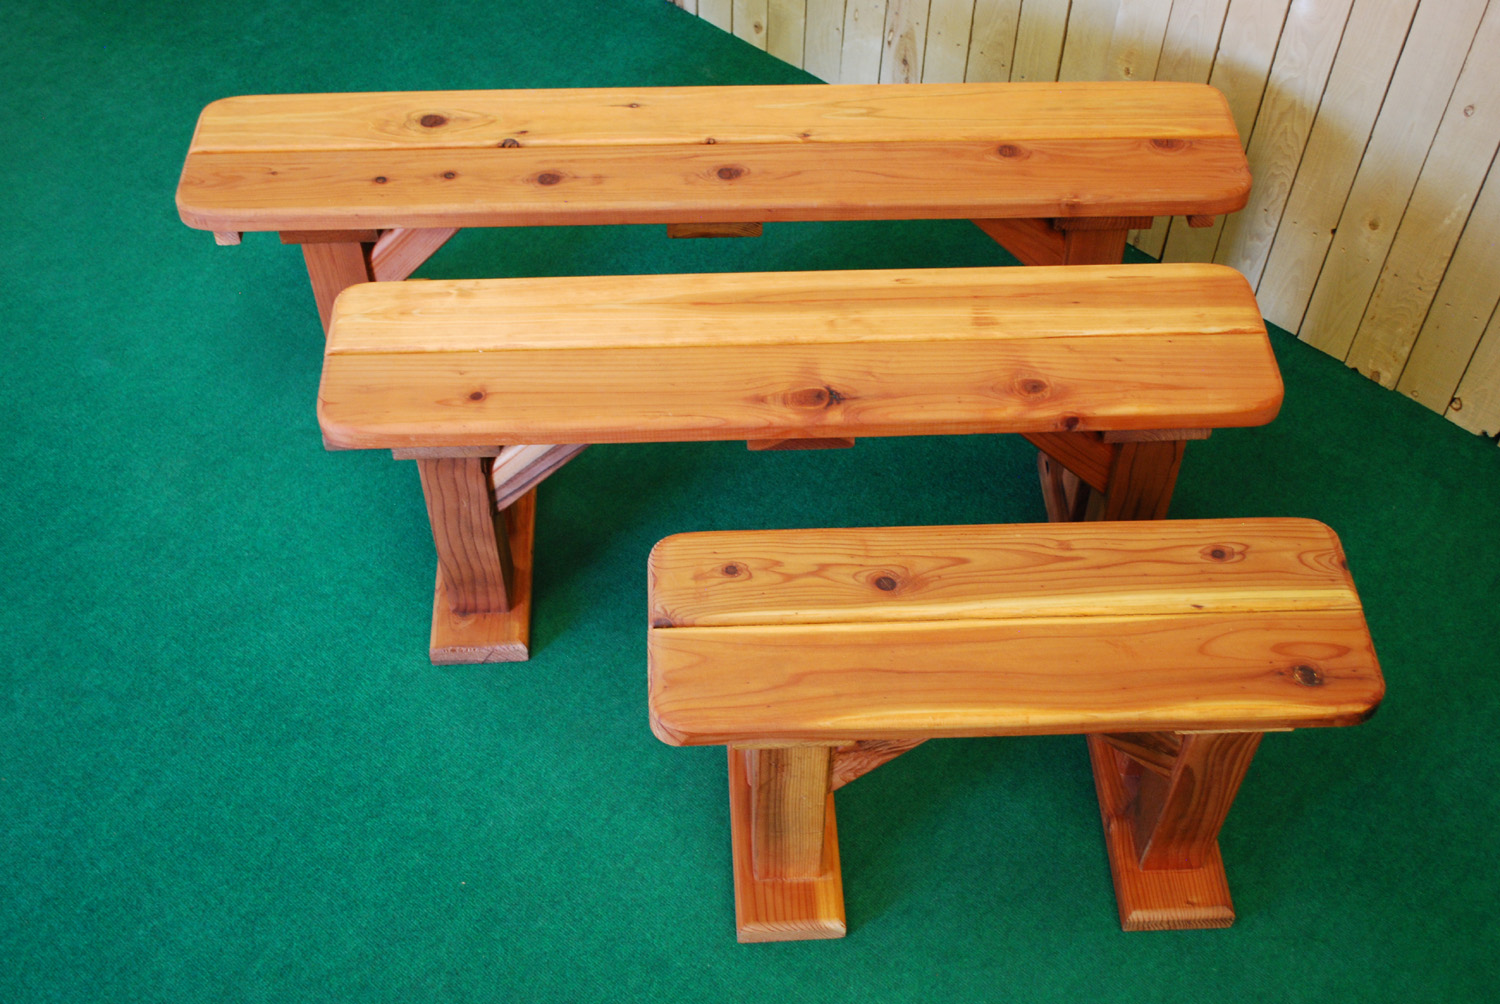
1191, 899
780, 910
464, 639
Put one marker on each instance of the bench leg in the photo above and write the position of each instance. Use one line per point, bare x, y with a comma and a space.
787, 885
1086, 476
1163, 799
482, 602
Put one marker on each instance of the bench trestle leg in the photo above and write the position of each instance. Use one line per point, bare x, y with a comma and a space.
787, 885
482, 603
332, 267
1163, 800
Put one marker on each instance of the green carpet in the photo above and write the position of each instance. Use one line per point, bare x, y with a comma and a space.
228, 773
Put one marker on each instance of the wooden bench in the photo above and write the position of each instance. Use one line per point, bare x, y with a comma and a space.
817, 655
1108, 369
372, 184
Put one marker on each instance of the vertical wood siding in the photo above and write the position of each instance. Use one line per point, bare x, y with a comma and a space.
1372, 128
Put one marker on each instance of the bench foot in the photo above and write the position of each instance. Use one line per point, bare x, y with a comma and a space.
780, 909
462, 639
1153, 900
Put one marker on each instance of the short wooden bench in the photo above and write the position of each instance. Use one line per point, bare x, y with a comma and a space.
372, 184
817, 655
1108, 369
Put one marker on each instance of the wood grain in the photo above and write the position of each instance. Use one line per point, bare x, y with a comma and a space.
474, 558
332, 268
1152, 900
1242, 63
483, 637
789, 789
1419, 91
1178, 816
823, 39
690, 231
996, 572
1304, 57
320, 162
399, 253
992, 40
794, 355
1356, 87
1440, 206
780, 910
839, 650
1464, 303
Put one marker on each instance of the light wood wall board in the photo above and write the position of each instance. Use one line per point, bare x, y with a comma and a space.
1090, 29
946, 56
786, 24
992, 41
750, 21
691, 6
719, 13
1140, 32
1476, 405
1241, 68
1039, 40
1304, 57
1356, 88
823, 41
1464, 304
905, 41
864, 38
1187, 56
1372, 229
1424, 79
1430, 229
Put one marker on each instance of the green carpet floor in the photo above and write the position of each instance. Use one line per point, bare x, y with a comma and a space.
228, 773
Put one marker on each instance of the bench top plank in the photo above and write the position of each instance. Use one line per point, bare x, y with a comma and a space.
650, 155
1006, 630
795, 355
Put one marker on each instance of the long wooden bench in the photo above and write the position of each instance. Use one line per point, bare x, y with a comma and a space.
817, 655
372, 184
1108, 369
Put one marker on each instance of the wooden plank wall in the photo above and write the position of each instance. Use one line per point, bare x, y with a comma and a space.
1371, 126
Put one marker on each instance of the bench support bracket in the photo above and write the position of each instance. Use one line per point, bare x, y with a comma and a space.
781, 822
482, 603
1161, 826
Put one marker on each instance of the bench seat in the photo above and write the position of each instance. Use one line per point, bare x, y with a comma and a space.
1109, 369
818, 654
442, 159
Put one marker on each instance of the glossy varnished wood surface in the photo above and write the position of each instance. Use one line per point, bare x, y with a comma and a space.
649, 155
1126, 627
812, 355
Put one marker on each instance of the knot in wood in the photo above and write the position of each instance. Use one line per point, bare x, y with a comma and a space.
885, 583
1031, 386
380, 180
814, 397
731, 570
1222, 553
548, 178
729, 172
1307, 676
450, 175
510, 143
1011, 151
432, 121
1169, 145
478, 395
